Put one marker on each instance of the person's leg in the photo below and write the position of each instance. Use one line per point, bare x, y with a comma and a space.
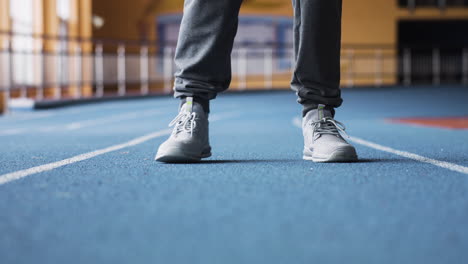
203, 60
317, 44
203, 54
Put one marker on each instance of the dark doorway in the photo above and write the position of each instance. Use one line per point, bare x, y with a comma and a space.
433, 51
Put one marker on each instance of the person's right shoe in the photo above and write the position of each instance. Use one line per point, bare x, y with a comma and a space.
189, 140
322, 138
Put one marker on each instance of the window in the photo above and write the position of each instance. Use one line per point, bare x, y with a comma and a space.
64, 14
64, 9
21, 16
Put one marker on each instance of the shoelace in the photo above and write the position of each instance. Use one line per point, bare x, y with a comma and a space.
184, 122
328, 125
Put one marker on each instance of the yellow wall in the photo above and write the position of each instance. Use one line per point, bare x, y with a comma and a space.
4, 20
4, 26
85, 30
376, 21
80, 26
85, 27
364, 21
122, 18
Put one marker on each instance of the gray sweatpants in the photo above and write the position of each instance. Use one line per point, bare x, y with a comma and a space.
203, 54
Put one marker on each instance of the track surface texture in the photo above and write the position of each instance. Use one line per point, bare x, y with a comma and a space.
254, 201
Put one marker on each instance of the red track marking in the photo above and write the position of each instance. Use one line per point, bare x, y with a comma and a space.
442, 122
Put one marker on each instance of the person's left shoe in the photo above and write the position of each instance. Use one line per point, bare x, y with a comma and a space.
323, 141
189, 141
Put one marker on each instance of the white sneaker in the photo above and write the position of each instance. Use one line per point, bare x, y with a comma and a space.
322, 138
189, 140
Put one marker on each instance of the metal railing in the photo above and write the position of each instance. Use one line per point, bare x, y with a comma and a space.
58, 68
435, 65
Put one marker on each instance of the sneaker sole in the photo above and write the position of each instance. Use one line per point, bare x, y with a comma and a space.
179, 156
337, 156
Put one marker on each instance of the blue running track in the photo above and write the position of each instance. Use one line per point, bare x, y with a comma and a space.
254, 201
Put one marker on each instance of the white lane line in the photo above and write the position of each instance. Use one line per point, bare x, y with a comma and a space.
13, 176
28, 116
443, 164
17, 117
13, 131
83, 124
110, 119
93, 108
409, 155
54, 165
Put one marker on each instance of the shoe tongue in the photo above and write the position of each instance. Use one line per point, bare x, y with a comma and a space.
189, 104
319, 113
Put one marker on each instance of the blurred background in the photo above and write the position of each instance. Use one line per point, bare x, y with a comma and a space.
55, 51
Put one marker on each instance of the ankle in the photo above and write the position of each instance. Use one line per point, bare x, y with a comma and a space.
205, 104
308, 108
